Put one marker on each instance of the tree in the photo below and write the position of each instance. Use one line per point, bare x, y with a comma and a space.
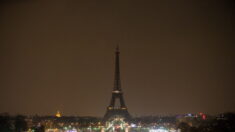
5, 123
184, 127
20, 123
40, 128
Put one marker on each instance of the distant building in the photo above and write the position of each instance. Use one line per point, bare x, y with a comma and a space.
58, 114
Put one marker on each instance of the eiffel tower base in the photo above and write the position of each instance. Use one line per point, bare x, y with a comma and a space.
111, 114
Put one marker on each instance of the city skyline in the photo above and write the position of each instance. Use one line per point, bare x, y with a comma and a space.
176, 57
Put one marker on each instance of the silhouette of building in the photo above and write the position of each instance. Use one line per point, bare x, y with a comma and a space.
117, 107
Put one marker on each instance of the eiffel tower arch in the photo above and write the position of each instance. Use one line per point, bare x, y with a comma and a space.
117, 107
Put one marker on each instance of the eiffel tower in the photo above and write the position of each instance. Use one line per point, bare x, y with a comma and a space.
117, 107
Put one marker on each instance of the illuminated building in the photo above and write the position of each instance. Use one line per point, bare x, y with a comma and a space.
58, 114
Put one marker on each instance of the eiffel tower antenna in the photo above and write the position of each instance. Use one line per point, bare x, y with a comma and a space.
117, 81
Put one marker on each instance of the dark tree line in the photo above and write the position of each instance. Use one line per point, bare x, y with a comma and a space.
154, 119
5, 123
224, 124
12, 124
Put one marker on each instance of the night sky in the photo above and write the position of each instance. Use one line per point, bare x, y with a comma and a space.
177, 56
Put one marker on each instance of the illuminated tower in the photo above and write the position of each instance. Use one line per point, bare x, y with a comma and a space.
117, 107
